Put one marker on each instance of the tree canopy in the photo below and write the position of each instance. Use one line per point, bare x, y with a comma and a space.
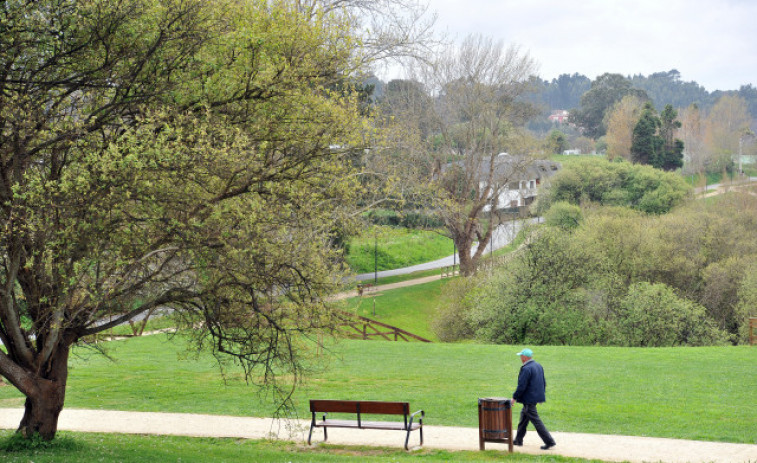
188, 155
653, 139
605, 91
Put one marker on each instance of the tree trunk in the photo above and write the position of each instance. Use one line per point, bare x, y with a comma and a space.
44, 400
467, 265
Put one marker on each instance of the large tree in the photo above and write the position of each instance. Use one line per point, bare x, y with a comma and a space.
726, 124
620, 122
477, 87
181, 154
653, 139
605, 91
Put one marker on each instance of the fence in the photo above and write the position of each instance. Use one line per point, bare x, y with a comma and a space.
364, 328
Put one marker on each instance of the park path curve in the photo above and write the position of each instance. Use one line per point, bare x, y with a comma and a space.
591, 446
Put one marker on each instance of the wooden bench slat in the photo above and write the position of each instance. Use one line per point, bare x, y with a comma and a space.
365, 407
389, 425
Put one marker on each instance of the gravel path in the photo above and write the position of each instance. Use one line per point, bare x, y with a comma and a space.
593, 446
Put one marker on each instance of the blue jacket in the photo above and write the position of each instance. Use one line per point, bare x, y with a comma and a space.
532, 386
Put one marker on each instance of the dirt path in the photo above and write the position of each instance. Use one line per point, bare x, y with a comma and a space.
593, 446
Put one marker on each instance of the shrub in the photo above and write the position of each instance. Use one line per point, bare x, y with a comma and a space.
651, 315
617, 183
563, 215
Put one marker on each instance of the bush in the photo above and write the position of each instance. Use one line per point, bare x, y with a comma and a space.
451, 322
651, 315
617, 183
563, 215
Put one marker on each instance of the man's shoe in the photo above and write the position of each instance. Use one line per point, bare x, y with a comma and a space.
519, 444
548, 446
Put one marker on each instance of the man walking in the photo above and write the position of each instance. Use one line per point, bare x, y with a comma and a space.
531, 390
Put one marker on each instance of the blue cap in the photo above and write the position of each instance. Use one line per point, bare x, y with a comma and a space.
526, 352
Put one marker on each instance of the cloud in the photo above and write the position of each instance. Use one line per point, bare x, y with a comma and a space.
708, 41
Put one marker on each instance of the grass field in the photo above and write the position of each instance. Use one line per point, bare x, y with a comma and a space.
411, 308
112, 448
396, 248
693, 393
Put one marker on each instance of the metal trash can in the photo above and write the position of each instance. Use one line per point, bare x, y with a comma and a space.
495, 422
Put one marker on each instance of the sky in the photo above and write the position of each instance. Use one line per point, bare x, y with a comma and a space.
712, 42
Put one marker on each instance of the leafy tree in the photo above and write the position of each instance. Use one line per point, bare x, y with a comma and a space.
667, 87
605, 91
556, 142
645, 143
651, 315
174, 154
653, 143
563, 215
620, 124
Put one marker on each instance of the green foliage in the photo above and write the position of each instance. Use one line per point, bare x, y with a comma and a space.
605, 91
653, 141
450, 323
17, 444
624, 278
173, 154
556, 142
616, 183
651, 315
563, 215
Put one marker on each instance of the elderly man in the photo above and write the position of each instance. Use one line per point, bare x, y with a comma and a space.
531, 390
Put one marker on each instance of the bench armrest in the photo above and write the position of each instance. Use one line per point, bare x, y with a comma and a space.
423, 415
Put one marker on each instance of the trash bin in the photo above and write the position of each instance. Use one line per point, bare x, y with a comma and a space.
495, 422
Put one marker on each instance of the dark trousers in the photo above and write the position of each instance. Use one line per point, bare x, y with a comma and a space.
529, 413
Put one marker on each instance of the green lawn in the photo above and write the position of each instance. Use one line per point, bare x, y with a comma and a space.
411, 308
393, 248
693, 393
113, 448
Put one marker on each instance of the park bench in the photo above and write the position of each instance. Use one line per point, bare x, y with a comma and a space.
360, 408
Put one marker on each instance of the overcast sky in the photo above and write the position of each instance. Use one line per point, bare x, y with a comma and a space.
712, 42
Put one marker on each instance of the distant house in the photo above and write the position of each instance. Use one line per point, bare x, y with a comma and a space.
559, 116
523, 177
524, 182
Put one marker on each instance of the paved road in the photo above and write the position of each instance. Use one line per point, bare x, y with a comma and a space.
591, 446
502, 236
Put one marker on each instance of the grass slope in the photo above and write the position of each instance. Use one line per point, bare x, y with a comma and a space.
392, 248
411, 308
693, 393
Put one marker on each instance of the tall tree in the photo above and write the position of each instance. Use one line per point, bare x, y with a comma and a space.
692, 134
653, 142
646, 143
177, 154
476, 86
726, 123
605, 91
620, 122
